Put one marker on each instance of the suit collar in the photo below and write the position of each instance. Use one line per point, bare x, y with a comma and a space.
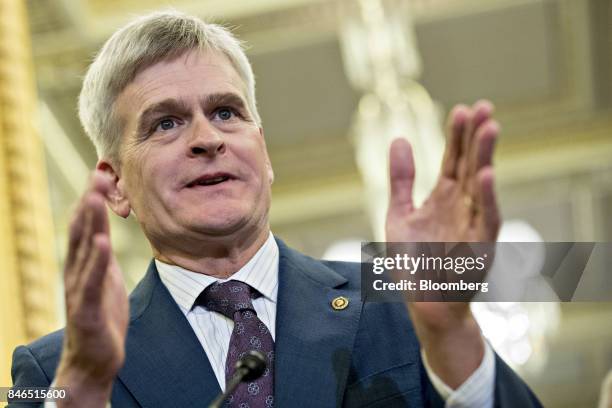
165, 363
260, 272
308, 268
314, 342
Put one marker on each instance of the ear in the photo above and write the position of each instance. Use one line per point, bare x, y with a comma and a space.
267, 157
117, 199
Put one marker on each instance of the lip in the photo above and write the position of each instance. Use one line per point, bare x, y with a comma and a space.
209, 179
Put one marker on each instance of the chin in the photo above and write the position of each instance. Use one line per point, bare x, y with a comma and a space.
221, 224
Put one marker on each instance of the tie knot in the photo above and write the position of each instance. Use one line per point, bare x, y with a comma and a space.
228, 298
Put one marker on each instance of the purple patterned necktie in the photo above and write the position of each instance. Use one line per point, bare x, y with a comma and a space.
233, 299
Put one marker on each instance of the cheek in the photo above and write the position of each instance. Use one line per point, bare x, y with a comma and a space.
152, 177
253, 154
260, 172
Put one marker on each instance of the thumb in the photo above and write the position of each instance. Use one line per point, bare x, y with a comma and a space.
401, 176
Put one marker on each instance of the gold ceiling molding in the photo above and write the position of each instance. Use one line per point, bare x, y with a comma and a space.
28, 268
205, 8
566, 151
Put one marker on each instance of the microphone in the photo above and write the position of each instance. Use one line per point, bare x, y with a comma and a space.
248, 368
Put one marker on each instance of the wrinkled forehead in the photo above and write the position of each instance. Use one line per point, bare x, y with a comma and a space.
190, 73
187, 79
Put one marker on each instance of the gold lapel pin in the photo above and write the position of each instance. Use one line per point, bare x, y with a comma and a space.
340, 303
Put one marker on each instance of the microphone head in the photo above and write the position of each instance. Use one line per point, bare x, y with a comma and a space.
253, 364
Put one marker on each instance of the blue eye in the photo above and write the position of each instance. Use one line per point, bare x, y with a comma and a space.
166, 124
225, 113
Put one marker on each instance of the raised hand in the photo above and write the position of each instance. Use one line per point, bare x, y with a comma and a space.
461, 208
462, 205
96, 304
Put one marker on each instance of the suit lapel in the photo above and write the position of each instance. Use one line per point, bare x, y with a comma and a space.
313, 341
165, 364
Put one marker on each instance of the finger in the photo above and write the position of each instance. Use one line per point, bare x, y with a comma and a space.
455, 128
482, 155
100, 216
488, 218
75, 232
486, 141
95, 271
482, 111
73, 273
75, 242
401, 176
99, 182
96, 222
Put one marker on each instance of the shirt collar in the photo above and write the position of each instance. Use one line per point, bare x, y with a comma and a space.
260, 272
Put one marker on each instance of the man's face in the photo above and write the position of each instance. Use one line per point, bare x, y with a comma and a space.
193, 160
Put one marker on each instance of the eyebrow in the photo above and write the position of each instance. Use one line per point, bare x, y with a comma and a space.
179, 106
165, 106
225, 98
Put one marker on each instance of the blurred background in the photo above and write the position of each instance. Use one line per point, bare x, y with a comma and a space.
337, 80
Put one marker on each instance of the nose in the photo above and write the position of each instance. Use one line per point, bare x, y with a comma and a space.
206, 139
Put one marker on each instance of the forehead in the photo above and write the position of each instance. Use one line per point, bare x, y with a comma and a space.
189, 77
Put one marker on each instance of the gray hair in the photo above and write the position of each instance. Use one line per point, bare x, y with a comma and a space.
140, 44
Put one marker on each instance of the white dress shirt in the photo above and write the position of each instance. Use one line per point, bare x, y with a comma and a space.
214, 329
261, 273
477, 391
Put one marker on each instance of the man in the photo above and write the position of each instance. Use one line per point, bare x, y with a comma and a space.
169, 103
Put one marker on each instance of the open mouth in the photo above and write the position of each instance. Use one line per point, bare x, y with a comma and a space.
210, 180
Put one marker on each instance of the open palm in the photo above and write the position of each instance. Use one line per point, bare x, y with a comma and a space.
462, 206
